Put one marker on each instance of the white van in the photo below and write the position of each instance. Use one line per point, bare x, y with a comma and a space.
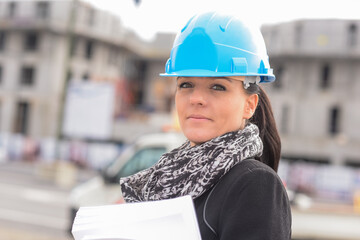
105, 188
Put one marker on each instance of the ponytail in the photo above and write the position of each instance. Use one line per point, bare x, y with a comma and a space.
264, 119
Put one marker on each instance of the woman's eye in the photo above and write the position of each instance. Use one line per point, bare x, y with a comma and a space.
185, 85
218, 87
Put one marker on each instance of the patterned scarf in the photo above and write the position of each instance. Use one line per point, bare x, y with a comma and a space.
193, 170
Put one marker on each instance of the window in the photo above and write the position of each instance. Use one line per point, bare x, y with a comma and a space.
1, 143
27, 76
85, 77
334, 120
1, 74
30, 41
279, 77
352, 35
89, 49
113, 56
143, 159
42, 10
91, 17
2, 40
354, 163
274, 36
298, 35
284, 119
73, 46
325, 76
22, 117
69, 76
11, 9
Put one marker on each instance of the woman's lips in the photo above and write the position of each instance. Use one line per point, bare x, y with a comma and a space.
196, 117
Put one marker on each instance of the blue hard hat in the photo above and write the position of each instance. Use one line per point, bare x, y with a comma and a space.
214, 45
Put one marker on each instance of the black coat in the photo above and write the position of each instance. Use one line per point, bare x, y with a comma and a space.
249, 202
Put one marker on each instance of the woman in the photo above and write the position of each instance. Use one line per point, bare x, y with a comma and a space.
229, 163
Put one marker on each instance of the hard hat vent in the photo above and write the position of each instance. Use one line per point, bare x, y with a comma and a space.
239, 65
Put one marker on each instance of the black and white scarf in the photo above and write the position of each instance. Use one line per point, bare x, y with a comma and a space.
190, 170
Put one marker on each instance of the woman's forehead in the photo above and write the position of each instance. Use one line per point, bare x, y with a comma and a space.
236, 78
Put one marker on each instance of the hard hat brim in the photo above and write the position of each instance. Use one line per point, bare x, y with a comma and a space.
207, 73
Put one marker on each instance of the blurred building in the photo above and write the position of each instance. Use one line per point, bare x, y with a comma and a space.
316, 95
44, 45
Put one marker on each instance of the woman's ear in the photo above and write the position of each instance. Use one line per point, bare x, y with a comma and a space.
250, 105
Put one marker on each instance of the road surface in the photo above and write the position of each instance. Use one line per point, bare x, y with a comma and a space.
35, 207
32, 204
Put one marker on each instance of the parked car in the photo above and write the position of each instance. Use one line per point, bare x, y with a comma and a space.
105, 188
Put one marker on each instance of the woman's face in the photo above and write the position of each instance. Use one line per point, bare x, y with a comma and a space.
208, 107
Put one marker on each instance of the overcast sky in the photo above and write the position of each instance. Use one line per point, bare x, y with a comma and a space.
152, 16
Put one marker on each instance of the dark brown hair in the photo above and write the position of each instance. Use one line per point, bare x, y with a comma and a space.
264, 119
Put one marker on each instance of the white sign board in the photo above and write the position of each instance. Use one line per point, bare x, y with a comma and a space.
89, 110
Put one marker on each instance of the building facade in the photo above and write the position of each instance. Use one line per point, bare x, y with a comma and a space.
44, 45
316, 96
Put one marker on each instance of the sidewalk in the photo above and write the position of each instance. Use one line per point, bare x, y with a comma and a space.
36, 178
61, 173
333, 208
7, 233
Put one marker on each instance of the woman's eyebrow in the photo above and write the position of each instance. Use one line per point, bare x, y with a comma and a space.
178, 78
224, 78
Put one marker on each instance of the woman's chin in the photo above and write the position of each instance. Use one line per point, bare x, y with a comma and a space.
198, 138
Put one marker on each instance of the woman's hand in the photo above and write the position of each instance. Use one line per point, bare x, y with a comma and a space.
121, 200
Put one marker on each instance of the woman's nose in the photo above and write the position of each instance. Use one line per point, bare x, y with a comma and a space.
197, 97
